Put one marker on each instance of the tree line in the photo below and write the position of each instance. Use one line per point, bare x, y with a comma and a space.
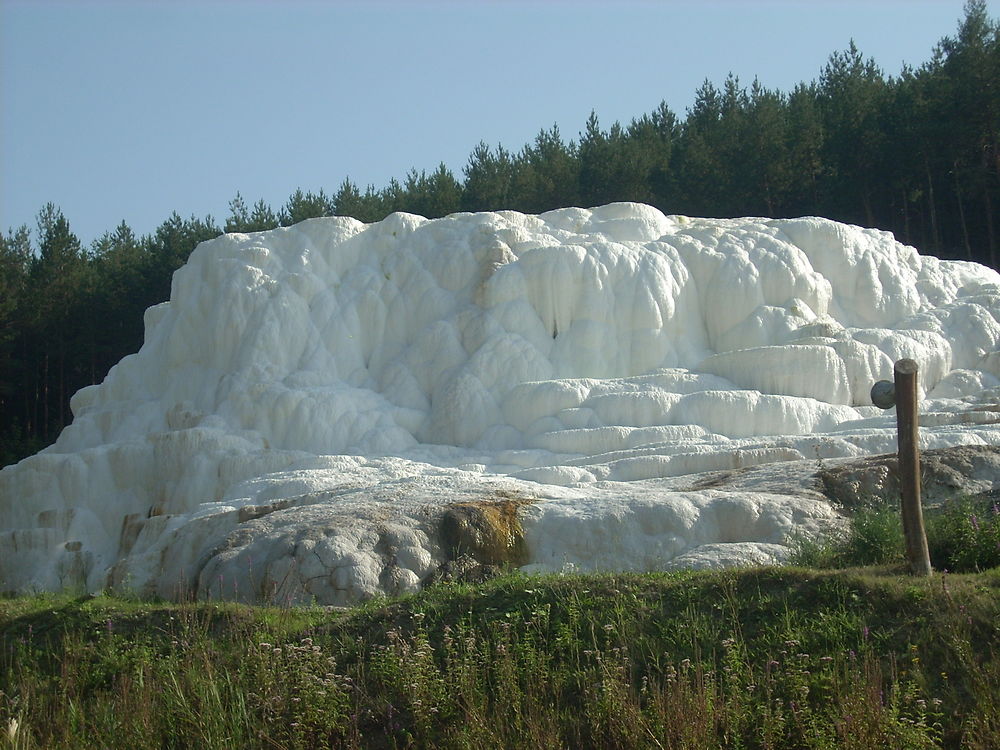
917, 154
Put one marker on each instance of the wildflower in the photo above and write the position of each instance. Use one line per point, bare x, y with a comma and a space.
974, 521
13, 726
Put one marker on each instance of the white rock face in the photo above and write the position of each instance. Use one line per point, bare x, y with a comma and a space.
311, 399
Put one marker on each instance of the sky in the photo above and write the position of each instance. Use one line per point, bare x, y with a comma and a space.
128, 110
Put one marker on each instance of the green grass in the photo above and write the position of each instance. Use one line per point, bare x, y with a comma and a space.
963, 535
758, 658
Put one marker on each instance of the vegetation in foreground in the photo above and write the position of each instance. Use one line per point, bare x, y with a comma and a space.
759, 658
963, 536
755, 658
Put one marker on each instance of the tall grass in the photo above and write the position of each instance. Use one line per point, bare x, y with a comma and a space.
765, 658
963, 535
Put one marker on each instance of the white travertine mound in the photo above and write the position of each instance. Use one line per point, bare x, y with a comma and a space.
311, 399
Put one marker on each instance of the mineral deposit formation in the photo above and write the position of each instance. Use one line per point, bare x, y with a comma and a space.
334, 410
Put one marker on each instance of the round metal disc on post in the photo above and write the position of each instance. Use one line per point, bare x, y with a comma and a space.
884, 394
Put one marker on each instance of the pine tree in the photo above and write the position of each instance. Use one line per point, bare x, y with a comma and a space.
309, 205
547, 174
262, 218
121, 266
392, 198
699, 162
971, 67
656, 135
58, 287
766, 178
852, 97
805, 150
15, 262
347, 201
489, 180
595, 155
171, 245
434, 195
239, 215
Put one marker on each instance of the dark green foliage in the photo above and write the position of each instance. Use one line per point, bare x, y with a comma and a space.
350, 202
70, 314
170, 246
260, 218
15, 262
433, 196
852, 93
548, 173
302, 206
239, 215
963, 536
15, 259
489, 180
60, 282
875, 537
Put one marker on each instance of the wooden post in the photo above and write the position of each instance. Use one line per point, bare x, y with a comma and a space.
905, 377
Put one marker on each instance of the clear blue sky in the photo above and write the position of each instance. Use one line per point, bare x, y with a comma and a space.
131, 110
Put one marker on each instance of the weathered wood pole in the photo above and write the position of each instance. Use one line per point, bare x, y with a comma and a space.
905, 379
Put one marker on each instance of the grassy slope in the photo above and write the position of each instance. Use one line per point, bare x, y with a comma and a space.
772, 657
